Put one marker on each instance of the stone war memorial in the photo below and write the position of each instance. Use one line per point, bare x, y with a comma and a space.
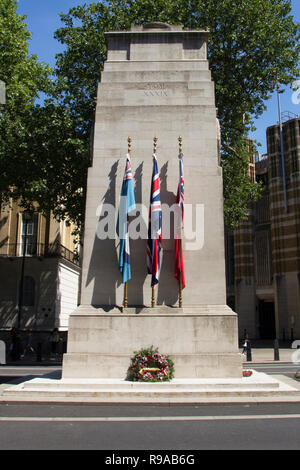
155, 155
156, 87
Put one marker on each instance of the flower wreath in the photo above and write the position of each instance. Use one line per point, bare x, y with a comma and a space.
247, 373
149, 365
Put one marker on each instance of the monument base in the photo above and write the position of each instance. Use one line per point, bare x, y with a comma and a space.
202, 341
258, 388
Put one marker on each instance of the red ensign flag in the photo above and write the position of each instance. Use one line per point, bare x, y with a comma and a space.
179, 268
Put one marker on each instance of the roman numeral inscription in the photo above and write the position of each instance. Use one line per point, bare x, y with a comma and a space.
155, 89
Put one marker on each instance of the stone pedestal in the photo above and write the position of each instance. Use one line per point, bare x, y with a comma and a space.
156, 82
200, 341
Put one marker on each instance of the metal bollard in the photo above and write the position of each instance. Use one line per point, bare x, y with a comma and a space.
39, 352
2, 352
276, 350
249, 352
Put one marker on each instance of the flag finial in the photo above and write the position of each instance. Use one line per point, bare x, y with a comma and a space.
155, 144
129, 145
180, 144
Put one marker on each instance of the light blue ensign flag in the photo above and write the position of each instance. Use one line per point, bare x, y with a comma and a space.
127, 205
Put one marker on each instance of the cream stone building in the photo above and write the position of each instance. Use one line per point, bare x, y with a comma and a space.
39, 253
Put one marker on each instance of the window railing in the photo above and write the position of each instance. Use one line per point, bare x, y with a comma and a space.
12, 250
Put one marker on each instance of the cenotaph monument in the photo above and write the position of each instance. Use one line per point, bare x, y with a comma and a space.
156, 83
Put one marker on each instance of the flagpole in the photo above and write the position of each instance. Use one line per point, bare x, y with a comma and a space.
125, 295
153, 297
153, 287
126, 283
180, 276
180, 291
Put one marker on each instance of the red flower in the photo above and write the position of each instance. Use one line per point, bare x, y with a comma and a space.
247, 373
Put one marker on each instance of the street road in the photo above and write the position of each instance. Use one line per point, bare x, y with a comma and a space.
117, 429
152, 427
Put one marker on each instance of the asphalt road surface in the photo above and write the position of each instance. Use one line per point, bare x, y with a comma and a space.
128, 431
149, 428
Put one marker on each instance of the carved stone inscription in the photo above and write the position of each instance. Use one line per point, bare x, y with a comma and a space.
155, 89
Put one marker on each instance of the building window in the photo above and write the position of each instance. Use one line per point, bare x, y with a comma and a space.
285, 139
252, 173
263, 269
28, 291
274, 169
292, 134
29, 234
271, 141
294, 161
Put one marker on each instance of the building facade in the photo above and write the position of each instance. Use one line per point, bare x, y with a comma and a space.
263, 254
39, 271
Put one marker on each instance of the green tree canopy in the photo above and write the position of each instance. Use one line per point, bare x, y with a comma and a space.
44, 149
25, 78
251, 44
42, 161
24, 75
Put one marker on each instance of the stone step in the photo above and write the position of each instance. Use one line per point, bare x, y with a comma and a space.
99, 365
258, 386
193, 113
137, 387
206, 88
143, 66
145, 128
129, 393
156, 76
133, 98
172, 93
129, 396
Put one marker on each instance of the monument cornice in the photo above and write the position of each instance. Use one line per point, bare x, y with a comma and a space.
188, 33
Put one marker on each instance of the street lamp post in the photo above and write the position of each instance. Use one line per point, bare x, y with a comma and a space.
26, 216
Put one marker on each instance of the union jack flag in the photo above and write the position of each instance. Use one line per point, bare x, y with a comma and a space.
154, 227
179, 268
127, 205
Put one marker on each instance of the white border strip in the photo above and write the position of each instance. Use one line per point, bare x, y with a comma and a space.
144, 418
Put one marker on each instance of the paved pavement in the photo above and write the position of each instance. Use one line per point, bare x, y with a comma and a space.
259, 355
266, 355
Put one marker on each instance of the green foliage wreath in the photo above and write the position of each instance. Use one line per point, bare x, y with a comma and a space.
149, 365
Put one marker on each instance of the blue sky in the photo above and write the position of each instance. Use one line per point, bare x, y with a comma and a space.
43, 19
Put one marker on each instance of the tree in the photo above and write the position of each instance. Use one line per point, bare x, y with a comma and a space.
44, 149
25, 78
250, 44
54, 162
43, 163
